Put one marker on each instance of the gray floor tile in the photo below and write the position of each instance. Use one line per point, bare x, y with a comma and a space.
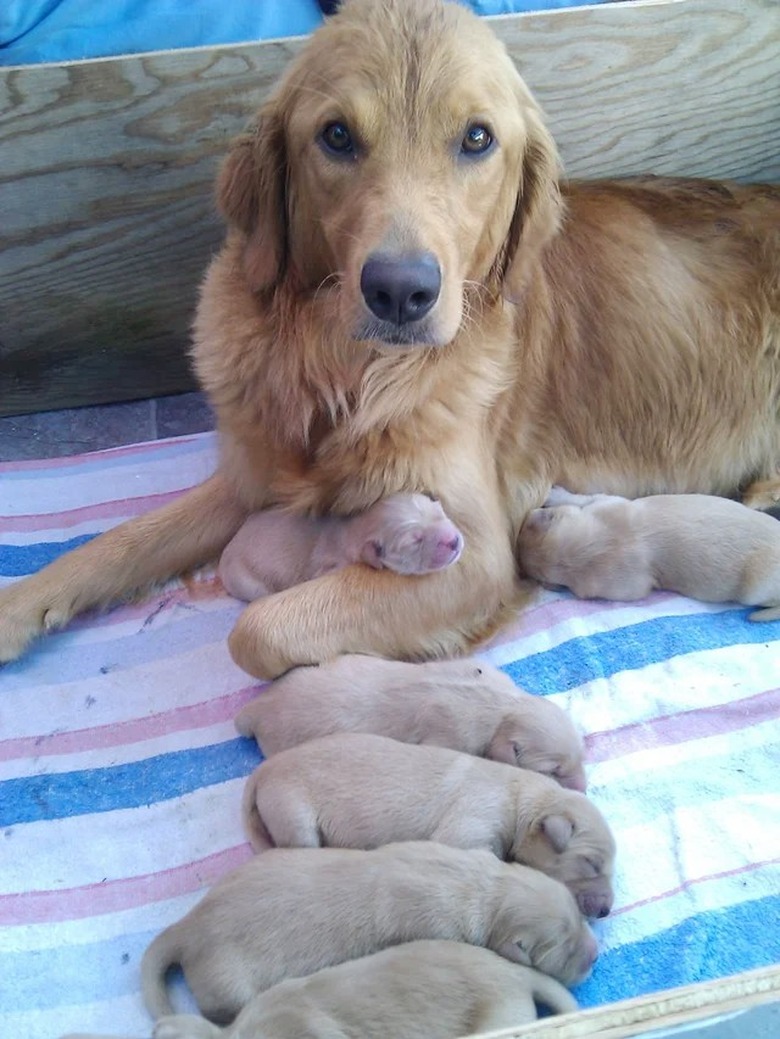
54, 434
181, 414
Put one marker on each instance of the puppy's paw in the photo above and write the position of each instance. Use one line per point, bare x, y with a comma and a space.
762, 495
558, 496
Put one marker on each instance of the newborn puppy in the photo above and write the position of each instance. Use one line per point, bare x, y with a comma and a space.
275, 549
353, 790
292, 911
431, 989
460, 704
704, 547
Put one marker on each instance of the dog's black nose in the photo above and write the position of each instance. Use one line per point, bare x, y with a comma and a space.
400, 290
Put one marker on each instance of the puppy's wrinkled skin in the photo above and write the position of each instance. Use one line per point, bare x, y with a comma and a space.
409, 299
431, 988
274, 550
291, 911
460, 704
606, 547
354, 790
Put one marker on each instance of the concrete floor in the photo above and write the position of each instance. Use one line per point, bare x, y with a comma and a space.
53, 434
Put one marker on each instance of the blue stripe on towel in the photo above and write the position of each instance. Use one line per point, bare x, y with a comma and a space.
708, 945
62, 794
20, 560
605, 653
702, 947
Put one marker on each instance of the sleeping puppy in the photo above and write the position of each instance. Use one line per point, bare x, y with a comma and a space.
462, 704
292, 911
353, 790
605, 547
275, 549
431, 989
434, 989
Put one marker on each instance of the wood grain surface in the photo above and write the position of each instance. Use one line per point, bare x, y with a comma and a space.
653, 1015
106, 166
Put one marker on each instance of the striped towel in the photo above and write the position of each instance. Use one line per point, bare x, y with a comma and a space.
121, 773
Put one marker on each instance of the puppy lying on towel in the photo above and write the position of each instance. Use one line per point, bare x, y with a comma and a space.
431, 989
353, 790
604, 547
275, 549
292, 911
460, 704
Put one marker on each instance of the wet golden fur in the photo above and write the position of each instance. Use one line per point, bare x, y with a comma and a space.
618, 336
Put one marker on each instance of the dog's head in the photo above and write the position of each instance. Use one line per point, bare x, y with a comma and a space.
410, 534
402, 166
555, 543
538, 923
571, 841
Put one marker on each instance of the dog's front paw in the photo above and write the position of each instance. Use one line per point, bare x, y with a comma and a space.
259, 642
22, 619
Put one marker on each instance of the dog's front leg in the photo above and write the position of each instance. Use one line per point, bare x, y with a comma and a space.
141, 552
361, 610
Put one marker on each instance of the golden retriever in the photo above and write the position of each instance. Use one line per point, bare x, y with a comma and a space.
410, 299
461, 704
606, 547
433, 989
356, 790
405, 533
292, 911
430, 989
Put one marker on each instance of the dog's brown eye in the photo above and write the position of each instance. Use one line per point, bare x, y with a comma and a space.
477, 140
337, 139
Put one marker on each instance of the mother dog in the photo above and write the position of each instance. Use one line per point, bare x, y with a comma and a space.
409, 299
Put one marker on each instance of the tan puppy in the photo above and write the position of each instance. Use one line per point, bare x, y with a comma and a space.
461, 704
605, 547
353, 790
431, 989
275, 549
292, 911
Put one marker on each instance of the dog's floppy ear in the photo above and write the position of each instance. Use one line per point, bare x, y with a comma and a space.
558, 830
538, 208
251, 195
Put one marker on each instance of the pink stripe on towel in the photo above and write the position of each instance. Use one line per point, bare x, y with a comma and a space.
36, 907
687, 725
135, 730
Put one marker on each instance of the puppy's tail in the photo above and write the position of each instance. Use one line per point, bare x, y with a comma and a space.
258, 833
162, 954
769, 613
551, 993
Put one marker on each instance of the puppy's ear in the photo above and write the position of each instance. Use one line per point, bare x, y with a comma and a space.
251, 195
538, 208
373, 553
558, 829
503, 747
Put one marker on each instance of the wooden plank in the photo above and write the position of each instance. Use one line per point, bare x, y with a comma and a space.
647, 1015
106, 167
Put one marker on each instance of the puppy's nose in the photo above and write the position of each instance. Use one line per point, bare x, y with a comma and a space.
400, 290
